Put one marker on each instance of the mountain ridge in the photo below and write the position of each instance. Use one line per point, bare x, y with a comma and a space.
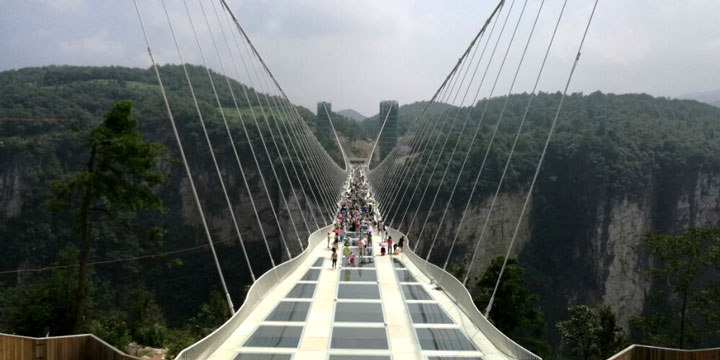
352, 114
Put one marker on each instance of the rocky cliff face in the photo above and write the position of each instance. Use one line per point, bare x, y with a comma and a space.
604, 262
622, 261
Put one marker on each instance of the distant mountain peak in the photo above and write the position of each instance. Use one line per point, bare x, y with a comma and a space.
708, 97
352, 114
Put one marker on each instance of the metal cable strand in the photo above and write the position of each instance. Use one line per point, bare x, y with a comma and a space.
338, 171
337, 139
500, 117
232, 142
424, 122
252, 111
372, 151
227, 43
185, 163
449, 76
438, 125
467, 205
320, 167
443, 88
209, 143
502, 30
222, 113
262, 62
304, 162
517, 136
314, 165
420, 125
467, 119
426, 125
292, 164
542, 158
457, 64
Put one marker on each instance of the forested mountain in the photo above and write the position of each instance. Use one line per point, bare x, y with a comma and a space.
45, 115
618, 167
708, 97
352, 114
407, 114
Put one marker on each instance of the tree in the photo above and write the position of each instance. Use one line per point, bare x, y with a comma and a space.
514, 311
686, 291
118, 181
611, 337
591, 333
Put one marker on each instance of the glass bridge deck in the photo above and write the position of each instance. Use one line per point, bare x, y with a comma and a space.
379, 308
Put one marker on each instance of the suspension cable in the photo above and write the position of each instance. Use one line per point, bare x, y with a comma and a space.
252, 111
492, 91
185, 163
542, 158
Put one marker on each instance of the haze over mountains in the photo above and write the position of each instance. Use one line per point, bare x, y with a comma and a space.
352, 114
709, 97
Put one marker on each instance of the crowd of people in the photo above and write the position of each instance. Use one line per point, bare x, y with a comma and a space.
355, 223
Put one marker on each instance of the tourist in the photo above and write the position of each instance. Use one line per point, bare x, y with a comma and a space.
334, 258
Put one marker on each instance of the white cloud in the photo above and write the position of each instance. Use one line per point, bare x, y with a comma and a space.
358, 52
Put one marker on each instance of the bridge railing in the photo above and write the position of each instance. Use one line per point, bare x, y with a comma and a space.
642, 352
461, 296
205, 347
79, 347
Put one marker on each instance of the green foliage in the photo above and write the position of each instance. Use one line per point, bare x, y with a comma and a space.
686, 273
591, 333
146, 322
111, 327
514, 311
44, 306
179, 339
119, 180
211, 315
457, 271
153, 335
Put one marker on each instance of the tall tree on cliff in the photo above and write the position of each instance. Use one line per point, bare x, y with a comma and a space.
118, 181
514, 311
591, 333
685, 303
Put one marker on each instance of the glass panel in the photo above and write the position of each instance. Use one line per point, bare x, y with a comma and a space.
242, 356
312, 275
358, 275
358, 291
415, 292
290, 311
360, 262
275, 336
397, 263
304, 291
358, 357
318, 262
428, 314
358, 312
358, 338
443, 339
454, 358
405, 276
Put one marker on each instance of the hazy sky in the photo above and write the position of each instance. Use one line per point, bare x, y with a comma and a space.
355, 53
